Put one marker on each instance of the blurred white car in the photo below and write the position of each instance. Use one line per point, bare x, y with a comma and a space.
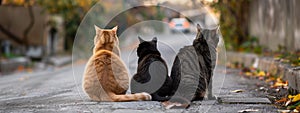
179, 24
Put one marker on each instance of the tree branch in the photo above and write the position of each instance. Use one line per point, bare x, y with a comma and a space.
11, 35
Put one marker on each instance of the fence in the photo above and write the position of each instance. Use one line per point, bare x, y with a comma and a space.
276, 23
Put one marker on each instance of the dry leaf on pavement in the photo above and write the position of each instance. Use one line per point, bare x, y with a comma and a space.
237, 91
248, 110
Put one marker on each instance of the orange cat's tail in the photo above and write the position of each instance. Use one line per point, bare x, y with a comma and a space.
131, 97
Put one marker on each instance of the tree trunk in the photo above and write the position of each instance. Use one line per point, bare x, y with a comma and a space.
29, 27
238, 20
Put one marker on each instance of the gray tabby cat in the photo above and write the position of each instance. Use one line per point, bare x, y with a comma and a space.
193, 67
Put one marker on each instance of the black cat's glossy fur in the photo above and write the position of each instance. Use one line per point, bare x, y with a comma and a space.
193, 66
152, 72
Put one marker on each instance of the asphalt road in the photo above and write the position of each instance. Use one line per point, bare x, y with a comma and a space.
59, 89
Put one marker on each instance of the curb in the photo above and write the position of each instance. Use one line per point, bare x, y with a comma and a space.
271, 65
12, 65
60, 60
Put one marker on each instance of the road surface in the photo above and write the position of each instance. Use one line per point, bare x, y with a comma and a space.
59, 89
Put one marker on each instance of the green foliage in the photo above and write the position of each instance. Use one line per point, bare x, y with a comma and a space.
9, 55
288, 57
234, 22
251, 45
73, 11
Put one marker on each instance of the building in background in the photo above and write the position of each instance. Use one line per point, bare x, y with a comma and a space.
30, 31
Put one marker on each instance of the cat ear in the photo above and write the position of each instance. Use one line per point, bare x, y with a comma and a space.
216, 39
154, 39
199, 31
141, 40
199, 28
97, 29
115, 29
217, 29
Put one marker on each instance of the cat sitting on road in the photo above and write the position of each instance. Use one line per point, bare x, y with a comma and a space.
152, 72
193, 66
105, 76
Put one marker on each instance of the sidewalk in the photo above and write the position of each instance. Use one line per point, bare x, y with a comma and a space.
271, 65
23, 65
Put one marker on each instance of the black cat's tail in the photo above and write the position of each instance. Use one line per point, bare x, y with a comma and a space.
156, 97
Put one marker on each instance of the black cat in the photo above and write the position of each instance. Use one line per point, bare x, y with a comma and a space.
152, 72
193, 66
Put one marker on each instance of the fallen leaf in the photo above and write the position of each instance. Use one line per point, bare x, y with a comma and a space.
291, 96
283, 100
248, 110
279, 80
280, 83
20, 68
296, 98
284, 111
288, 102
237, 91
248, 74
270, 79
261, 74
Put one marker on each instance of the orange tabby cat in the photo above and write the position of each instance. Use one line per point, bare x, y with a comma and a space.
106, 77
